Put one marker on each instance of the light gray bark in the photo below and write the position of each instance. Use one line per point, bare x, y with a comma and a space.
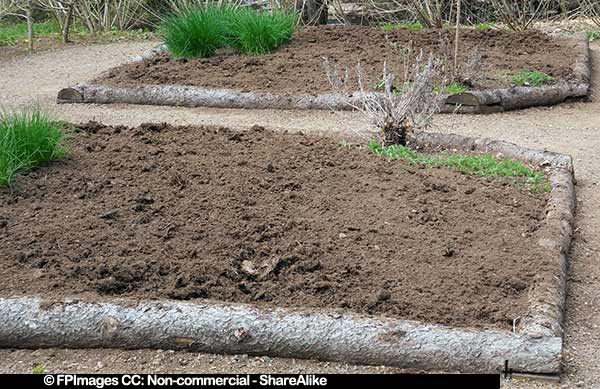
223, 328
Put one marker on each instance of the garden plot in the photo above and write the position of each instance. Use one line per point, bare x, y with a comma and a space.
292, 245
499, 70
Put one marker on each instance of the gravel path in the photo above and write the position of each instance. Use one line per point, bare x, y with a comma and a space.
569, 128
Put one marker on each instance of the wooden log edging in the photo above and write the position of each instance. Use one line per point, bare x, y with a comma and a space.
237, 329
535, 346
484, 101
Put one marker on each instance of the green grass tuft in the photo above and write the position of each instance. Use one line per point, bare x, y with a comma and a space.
485, 25
592, 35
27, 139
197, 32
483, 165
255, 32
395, 26
531, 78
455, 88
39, 369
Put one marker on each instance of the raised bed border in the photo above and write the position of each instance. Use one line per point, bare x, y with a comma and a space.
534, 347
481, 102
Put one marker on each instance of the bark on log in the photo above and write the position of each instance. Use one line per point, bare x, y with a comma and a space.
224, 328
188, 96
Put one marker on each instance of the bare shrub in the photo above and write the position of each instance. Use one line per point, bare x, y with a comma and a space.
178, 6
398, 110
518, 15
6, 7
106, 15
62, 13
430, 13
591, 9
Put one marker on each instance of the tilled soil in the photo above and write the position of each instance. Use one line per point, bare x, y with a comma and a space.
489, 59
269, 218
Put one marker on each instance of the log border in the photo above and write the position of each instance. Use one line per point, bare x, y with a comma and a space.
478, 102
534, 347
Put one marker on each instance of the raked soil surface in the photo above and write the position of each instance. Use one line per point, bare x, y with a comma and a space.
488, 58
569, 128
272, 219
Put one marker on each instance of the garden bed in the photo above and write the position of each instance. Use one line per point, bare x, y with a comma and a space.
294, 76
311, 240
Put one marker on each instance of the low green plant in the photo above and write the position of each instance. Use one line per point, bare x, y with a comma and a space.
592, 35
484, 165
11, 34
196, 32
254, 32
395, 26
16, 33
485, 25
531, 78
455, 88
39, 369
28, 138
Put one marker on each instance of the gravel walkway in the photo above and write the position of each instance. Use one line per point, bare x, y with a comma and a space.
569, 128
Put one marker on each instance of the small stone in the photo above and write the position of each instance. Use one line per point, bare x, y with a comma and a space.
248, 267
109, 215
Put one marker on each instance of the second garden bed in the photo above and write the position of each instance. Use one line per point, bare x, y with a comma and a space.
294, 76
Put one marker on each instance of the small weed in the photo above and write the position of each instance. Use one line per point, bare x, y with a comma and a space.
531, 78
28, 139
452, 88
485, 25
592, 35
344, 144
380, 86
395, 26
483, 165
39, 369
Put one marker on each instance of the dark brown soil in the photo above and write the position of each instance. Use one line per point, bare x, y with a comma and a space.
269, 218
297, 68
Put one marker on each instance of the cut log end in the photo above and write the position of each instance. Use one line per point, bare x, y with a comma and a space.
69, 95
465, 98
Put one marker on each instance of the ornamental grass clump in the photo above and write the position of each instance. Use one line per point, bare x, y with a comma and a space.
196, 32
255, 32
199, 32
28, 138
